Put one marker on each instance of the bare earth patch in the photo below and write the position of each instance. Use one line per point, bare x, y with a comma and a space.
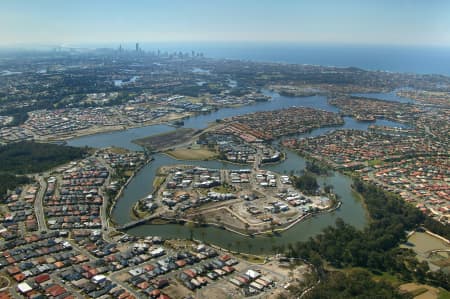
166, 140
191, 154
420, 291
177, 290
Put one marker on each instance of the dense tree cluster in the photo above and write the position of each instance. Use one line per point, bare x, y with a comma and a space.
437, 227
316, 167
10, 182
307, 183
377, 246
29, 157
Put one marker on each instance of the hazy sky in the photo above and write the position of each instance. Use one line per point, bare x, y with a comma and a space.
419, 22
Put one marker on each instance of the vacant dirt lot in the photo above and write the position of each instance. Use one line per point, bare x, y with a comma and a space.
166, 140
420, 291
191, 154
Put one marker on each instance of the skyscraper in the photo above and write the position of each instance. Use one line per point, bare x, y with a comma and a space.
137, 47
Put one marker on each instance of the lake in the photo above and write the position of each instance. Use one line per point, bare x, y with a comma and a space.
140, 186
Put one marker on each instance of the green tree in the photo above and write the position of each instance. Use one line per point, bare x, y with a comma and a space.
307, 183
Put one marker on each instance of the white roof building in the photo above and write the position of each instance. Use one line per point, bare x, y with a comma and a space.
98, 278
252, 274
24, 287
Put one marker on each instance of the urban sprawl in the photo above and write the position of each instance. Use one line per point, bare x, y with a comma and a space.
58, 239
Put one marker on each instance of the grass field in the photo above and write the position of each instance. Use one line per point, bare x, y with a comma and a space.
191, 154
443, 294
158, 182
255, 259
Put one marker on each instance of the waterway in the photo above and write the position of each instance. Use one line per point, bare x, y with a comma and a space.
124, 138
351, 210
121, 139
388, 96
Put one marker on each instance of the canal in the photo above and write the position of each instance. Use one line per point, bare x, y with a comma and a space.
351, 210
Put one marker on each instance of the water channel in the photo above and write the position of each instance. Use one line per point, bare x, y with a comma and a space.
351, 210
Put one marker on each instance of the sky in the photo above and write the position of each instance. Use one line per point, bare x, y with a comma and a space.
384, 22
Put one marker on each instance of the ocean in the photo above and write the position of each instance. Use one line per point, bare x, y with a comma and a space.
405, 59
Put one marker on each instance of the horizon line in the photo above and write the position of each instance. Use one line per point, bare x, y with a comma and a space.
292, 42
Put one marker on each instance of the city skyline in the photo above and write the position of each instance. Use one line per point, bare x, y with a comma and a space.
344, 22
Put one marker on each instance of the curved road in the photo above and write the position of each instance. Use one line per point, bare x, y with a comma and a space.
38, 204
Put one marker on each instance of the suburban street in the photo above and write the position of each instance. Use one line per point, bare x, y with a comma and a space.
38, 204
